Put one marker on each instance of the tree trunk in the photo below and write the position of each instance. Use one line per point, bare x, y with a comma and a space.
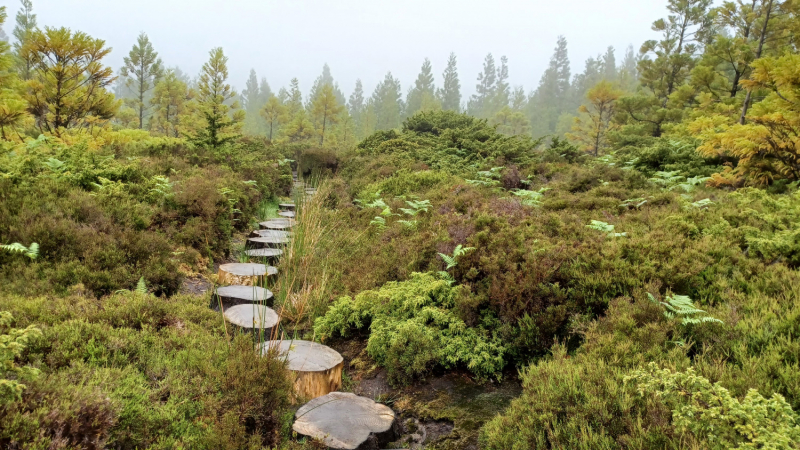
747, 99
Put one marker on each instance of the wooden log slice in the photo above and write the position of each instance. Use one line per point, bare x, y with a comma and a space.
271, 233
267, 242
269, 254
288, 206
231, 296
244, 274
253, 318
278, 224
317, 368
345, 421
287, 214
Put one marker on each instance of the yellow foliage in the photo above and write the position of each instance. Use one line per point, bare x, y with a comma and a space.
591, 127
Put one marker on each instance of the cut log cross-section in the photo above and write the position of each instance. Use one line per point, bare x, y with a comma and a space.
253, 318
278, 224
244, 274
317, 368
287, 214
287, 206
267, 242
345, 421
271, 233
268, 254
230, 296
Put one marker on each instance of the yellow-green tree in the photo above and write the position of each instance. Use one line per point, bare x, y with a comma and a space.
512, 122
68, 81
272, 113
172, 100
142, 70
590, 129
325, 111
299, 128
12, 106
767, 147
217, 104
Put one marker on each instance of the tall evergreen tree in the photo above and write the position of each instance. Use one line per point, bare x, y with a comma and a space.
480, 102
217, 103
264, 92
252, 104
322, 80
142, 69
388, 104
423, 91
552, 97
610, 64
450, 93
272, 112
357, 107
628, 72
26, 24
503, 89
172, 102
294, 98
325, 111
12, 106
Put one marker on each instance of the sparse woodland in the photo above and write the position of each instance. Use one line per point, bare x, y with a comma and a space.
618, 247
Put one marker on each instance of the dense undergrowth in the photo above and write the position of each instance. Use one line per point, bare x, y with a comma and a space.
583, 271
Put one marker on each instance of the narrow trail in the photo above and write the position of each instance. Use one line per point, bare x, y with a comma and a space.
341, 420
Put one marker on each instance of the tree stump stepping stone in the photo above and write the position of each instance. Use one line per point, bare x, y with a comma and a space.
253, 318
287, 206
317, 368
267, 242
345, 421
244, 274
270, 254
231, 296
271, 233
287, 214
278, 224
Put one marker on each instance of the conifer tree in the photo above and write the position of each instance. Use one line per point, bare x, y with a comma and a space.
326, 110
628, 73
423, 90
387, 103
552, 97
293, 98
503, 90
272, 112
264, 92
142, 69
480, 102
68, 81
320, 82
12, 106
591, 127
519, 101
356, 107
216, 101
251, 104
610, 64
450, 93
173, 105
26, 24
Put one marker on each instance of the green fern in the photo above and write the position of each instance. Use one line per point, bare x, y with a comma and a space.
459, 251
531, 198
141, 287
31, 252
379, 222
605, 228
681, 306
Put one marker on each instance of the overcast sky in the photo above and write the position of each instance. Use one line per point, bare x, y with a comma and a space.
364, 39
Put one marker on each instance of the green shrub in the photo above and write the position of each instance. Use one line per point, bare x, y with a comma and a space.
413, 328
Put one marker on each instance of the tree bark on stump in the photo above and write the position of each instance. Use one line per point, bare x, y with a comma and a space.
317, 368
287, 206
244, 274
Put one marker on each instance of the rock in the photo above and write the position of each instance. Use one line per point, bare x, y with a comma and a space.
287, 206
231, 296
245, 274
317, 368
278, 224
288, 214
267, 242
345, 421
253, 318
270, 254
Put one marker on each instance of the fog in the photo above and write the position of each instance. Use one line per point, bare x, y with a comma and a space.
358, 38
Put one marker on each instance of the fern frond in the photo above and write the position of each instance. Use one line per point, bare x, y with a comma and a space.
447, 277
141, 287
449, 260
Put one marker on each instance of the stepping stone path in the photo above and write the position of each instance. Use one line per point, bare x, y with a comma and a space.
345, 421
231, 296
244, 274
267, 242
253, 318
271, 254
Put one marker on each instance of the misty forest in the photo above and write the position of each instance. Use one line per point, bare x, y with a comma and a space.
607, 259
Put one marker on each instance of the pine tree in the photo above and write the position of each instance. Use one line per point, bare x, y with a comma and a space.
294, 98
683, 34
172, 101
610, 64
628, 72
272, 112
222, 120
480, 102
324, 79
325, 111
423, 90
450, 93
142, 69
68, 81
26, 24
591, 127
357, 108
552, 97
387, 103
519, 101
251, 104
503, 90
12, 106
